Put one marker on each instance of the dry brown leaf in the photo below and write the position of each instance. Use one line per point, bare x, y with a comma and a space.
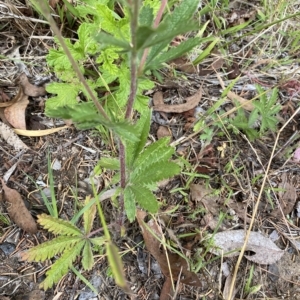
177, 263
11, 138
240, 208
217, 64
17, 210
31, 89
167, 291
200, 193
266, 252
15, 114
184, 65
163, 131
287, 198
191, 102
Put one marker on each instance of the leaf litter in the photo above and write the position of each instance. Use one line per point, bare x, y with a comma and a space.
17, 210
191, 102
228, 243
172, 265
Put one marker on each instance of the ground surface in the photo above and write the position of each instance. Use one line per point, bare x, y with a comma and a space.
229, 163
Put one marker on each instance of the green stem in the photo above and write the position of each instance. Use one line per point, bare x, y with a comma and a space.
156, 23
133, 88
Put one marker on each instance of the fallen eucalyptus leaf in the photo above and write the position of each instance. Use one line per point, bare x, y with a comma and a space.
17, 210
266, 252
190, 103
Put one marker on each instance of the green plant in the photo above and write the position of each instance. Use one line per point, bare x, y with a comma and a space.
264, 116
264, 112
130, 46
124, 49
145, 166
248, 289
70, 242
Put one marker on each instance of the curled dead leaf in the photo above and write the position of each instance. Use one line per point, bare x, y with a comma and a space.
15, 113
191, 102
17, 209
31, 89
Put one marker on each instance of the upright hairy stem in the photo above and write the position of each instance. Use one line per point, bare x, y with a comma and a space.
133, 88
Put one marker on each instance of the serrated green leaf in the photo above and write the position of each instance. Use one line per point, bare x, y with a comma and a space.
146, 15
125, 131
58, 58
129, 204
253, 117
144, 197
86, 42
116, 264
85, 116
106, 39
143, 34
98, 241
164, 35
154, 173
158, 151
183, 12
107, 58
173, 53
133, 149
141, 104
61, 266
109, 163
124, 85
51, 248
110, 21
58, 226
89, 216
66, 95
87, 256
176, 22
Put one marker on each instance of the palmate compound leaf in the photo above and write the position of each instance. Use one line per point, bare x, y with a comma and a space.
58, 226
61, 266
50, 249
